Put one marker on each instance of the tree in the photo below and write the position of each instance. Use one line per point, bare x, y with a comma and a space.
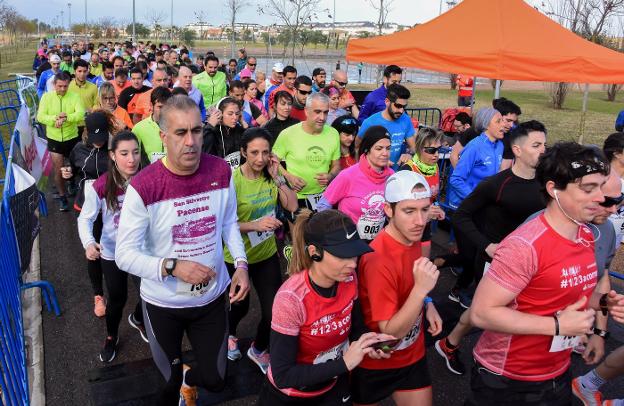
107, 25
140, 30
188, 36
233, 8
155, 18
383, 9
293, 14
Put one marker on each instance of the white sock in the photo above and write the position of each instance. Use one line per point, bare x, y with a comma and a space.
184, 371
592, 380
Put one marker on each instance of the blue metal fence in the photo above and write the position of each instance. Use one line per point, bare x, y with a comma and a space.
13, 366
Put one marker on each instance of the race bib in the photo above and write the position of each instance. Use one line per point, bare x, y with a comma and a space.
233, 159
313, 200
194, 290
258, 237
155, 156
368, 228
332, 354
561, 343
411, 337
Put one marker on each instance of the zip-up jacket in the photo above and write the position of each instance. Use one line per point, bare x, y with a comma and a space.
88, 163
214, 88
224, 142
51, 105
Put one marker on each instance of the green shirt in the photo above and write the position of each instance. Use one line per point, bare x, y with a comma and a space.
51, 105
88, 93
307, 155
255, 199
213, 88
67, 67
148, 133
95, 70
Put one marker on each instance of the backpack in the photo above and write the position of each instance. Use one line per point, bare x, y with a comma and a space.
448, 116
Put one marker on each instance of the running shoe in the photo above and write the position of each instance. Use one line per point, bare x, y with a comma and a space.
63, 203
110, 349
188, 394
234, 353
287, 251
465, 299
100, 306
613, 402
454, 295
262, 359
453, 363
587, 396
139, 326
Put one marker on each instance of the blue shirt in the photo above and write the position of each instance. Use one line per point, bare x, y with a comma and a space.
481, 158
43, 81
399, 130
374, 102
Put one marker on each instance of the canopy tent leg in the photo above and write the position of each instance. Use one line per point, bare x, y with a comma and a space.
583, 114
497, 90
472, 98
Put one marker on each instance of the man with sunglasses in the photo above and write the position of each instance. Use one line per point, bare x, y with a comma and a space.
303, 87
347, 101
397, 123
496, 207
250, 67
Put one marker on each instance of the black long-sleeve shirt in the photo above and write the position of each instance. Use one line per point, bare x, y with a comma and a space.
496, 207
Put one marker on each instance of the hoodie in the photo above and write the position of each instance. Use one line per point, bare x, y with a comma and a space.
88, 163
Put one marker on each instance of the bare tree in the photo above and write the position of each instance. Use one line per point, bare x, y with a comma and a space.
383, 9
293, 14
233, 8
200, 16
155, 18
107, 24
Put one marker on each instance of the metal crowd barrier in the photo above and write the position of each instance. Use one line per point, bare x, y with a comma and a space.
427, 116
13, 357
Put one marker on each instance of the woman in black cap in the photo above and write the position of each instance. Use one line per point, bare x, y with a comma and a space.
347, 128
313, 315
358, 191
87, 161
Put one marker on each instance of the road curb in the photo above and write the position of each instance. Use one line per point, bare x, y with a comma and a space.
33, 330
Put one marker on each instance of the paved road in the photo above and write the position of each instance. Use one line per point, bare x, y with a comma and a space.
74, 375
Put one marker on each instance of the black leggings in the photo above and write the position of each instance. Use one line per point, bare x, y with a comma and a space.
266, 277
207, 330
94, 268
117, 287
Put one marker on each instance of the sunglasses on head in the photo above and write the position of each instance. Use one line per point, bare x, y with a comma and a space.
399, 105
304, 92
431, 150
612, 201
343, 84
348, 121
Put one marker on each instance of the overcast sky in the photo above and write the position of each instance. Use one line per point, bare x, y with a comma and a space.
407, 12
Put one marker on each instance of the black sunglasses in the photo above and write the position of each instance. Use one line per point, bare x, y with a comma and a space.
343, 84
304, 92
252, 64
431, 150
399, 105
612, 201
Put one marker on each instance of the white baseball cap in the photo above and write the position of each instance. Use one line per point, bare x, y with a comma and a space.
400, 186
54, 58
278, 67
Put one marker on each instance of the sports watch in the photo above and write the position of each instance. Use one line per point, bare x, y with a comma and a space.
601, 333
170, 264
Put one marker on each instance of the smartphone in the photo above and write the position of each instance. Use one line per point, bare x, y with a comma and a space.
386, 346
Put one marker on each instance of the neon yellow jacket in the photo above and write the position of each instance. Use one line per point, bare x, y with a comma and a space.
51, 105
213, 88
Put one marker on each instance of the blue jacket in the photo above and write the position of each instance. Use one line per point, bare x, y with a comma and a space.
619, 122
374, 102
479, 159
43, 79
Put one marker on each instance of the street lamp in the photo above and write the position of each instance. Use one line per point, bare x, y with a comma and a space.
85, 22
69, 15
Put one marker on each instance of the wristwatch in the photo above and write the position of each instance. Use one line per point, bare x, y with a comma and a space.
170, 264
280, 181
601, 333
604, 308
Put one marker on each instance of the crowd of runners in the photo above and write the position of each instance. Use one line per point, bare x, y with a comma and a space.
194, 177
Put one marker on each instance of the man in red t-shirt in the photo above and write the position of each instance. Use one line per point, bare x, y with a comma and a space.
303, 87
532, 302
393, 288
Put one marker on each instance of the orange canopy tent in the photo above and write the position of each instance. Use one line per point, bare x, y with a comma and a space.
498, 39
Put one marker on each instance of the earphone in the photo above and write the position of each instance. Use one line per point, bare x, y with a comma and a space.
581, 240
317, 256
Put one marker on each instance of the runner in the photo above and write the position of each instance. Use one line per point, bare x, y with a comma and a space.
398, 124
120, 82
347, 128
358, 191
495, 208
128, 97
334, 104
425, 162
311, 152
106, 76
282, 119
375, 101
185, 81
223, 133
532, 292
303, 87
148, 131
87, 91
614, 151
250, 98
107, 100
103, 200
46, 79
288, 85
340, 80
249, 112
313, 313
170, 237
60, 111
395, 280
318, 79
211, 82
259, 191
272, 83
